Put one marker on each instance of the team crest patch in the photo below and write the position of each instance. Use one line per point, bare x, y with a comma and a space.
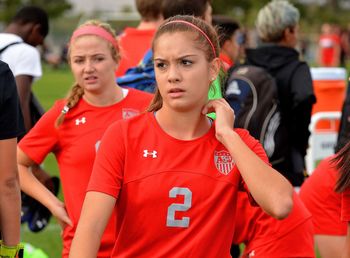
223, 162
129, 112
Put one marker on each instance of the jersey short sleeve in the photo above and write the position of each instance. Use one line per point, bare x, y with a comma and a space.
253, 144
11, 120
23, 59
43, 137
108, 169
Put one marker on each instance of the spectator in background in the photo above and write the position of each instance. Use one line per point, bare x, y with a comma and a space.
277, 27
73, 127
28, 29
328, 47
11, 127
197, 8
134, 42
228, 33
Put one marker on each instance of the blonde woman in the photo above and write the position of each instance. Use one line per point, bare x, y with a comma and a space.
73, 127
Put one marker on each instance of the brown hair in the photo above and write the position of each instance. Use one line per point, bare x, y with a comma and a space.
150, 10
171, 26
342, 161
185, 7
76, 91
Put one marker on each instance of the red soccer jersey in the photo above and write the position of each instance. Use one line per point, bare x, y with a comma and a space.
174, 198
74, 144
318, 195
226, 61
328, 43
134, 44
265, 236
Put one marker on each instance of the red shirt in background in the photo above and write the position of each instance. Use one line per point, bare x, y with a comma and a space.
328, 45
134, 44
318, 195
227, 62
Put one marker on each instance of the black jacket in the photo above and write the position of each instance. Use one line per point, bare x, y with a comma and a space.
296, 95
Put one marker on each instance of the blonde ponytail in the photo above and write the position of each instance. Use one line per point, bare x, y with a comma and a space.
73, 98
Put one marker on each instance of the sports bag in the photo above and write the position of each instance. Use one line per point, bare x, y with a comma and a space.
252, 93
140, 77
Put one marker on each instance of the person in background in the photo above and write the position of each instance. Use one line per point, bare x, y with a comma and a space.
150, 169
277, 27
328, 47
198, 8
73, 127
27, 30
318, 195
229, 34
11, 127
134, 42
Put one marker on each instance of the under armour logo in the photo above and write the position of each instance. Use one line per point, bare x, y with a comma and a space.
152, 154
80, 121
252, 253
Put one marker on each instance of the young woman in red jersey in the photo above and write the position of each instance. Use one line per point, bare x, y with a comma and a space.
72, 128
172, 174
319, 197
343, 186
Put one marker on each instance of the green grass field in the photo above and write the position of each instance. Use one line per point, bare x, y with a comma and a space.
54, 84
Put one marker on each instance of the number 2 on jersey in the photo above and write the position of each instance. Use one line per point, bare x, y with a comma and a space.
184, 222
